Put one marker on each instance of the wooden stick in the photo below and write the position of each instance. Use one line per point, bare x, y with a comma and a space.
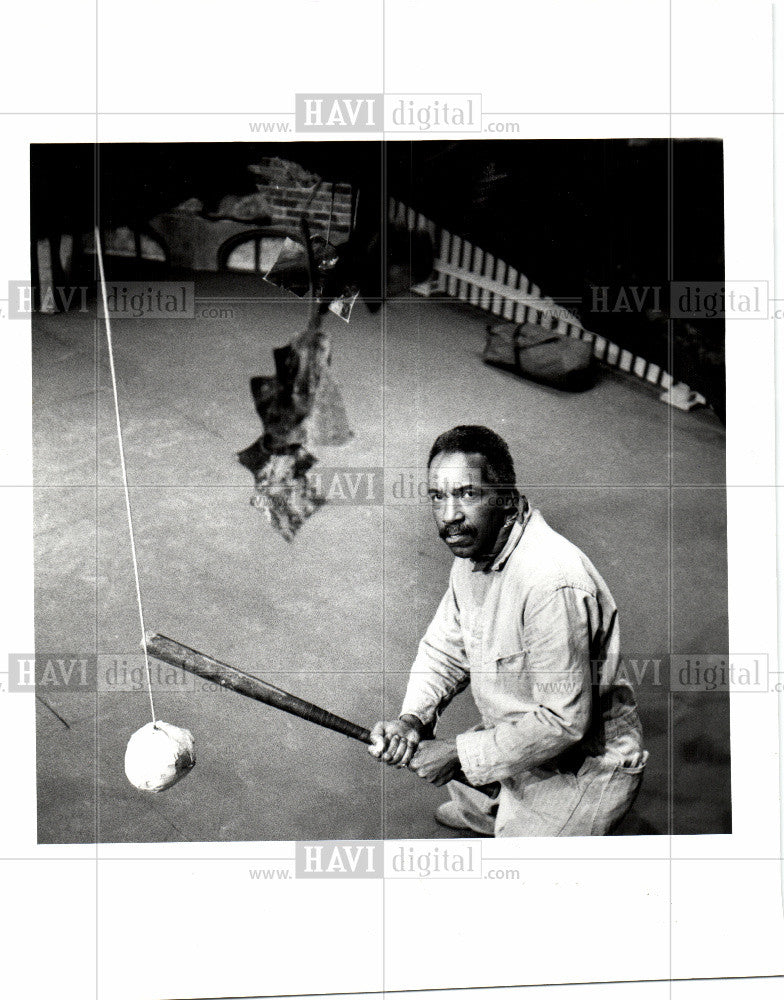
213, 670
210, 669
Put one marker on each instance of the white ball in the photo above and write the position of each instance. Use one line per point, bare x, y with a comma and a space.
158, 755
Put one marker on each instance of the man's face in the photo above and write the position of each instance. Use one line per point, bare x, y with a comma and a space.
467, 512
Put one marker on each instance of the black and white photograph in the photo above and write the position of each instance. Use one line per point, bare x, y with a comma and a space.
394, 432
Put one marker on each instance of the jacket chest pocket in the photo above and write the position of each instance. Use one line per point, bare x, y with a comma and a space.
510, 668
504, 680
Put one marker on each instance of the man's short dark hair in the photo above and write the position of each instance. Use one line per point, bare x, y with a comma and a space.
473, 438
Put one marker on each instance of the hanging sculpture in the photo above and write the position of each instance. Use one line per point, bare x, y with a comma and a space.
300, 405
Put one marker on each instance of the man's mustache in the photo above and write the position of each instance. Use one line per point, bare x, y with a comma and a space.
464, 531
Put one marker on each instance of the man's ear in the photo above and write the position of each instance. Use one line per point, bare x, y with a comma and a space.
512, 508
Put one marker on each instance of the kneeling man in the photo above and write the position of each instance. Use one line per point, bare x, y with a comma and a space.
531, 625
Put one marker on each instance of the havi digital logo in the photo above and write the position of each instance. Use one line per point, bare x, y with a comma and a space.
338, 859
339, 112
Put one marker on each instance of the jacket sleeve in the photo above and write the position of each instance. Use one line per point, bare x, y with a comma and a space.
546, 688
440, 670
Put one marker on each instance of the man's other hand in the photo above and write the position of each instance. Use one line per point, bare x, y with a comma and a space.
396, 742
436, 761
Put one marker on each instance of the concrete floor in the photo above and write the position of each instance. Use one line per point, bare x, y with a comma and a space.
336, 616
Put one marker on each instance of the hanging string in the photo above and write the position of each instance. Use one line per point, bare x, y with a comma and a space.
99, 255
331, 210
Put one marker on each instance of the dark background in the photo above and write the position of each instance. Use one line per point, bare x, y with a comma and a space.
638, 485
570, 214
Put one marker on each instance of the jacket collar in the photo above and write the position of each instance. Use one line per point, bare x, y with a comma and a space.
508, 537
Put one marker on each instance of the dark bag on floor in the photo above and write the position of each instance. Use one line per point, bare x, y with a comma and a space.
541, 355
